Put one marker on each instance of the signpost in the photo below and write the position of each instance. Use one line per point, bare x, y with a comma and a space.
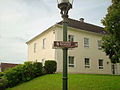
65, 44
65, 6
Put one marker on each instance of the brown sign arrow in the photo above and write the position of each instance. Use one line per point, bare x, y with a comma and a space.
65, 44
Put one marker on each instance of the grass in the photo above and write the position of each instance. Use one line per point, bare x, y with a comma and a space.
75, 82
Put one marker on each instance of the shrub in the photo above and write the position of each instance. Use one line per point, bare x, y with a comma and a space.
2, 84
50, 66
37, 68
2, 87
1, 74
28, 72
12, 76
22, 73
43, 70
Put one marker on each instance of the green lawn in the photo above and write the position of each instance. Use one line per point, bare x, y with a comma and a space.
75, 82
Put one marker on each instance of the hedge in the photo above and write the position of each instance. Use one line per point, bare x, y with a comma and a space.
25, 72
2, 84
1, 74
22, 73
50, 66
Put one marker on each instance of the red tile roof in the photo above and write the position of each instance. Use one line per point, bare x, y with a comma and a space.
5, 66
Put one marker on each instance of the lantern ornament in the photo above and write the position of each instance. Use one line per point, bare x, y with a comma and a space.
64, 6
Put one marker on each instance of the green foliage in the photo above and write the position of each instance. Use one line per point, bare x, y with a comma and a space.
1, 74
50, 66
111, 42
2, 87
2, 84
22, 73
37, 68
112, 48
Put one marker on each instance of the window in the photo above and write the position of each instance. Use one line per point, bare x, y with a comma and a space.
99, 44
34, 47
71, 61
86, 42
100, 63
71, 38
87, 63
44, 42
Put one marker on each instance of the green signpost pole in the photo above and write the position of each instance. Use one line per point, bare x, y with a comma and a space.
65, 54
65, 6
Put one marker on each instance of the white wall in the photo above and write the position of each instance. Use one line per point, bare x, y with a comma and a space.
80, 53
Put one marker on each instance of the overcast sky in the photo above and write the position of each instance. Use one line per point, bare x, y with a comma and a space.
21, 20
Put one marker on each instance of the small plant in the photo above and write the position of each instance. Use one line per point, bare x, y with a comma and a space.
50, 66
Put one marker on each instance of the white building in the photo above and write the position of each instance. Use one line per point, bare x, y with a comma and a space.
87, 58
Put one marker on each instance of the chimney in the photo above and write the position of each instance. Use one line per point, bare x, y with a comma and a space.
81, 19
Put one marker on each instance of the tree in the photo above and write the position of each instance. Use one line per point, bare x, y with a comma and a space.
111, 42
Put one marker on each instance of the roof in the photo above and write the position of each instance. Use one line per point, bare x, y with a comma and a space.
80, 25
5, 66
84, 26
40, 34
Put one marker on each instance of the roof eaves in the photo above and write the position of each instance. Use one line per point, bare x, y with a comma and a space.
39, 34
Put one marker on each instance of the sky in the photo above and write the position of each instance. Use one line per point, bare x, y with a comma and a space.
21, 20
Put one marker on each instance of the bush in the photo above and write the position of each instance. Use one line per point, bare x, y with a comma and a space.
43, 70
22, 73
2, 87
1, 74
2, 84
50, 66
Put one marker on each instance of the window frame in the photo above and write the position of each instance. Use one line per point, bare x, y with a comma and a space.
101, 66
99, 44
86, 44
71, 65
87, 65
71, 38
44, 43
35, 46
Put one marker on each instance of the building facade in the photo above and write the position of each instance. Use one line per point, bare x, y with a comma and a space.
88, 57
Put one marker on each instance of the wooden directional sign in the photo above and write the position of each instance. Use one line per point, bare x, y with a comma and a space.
65, 44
